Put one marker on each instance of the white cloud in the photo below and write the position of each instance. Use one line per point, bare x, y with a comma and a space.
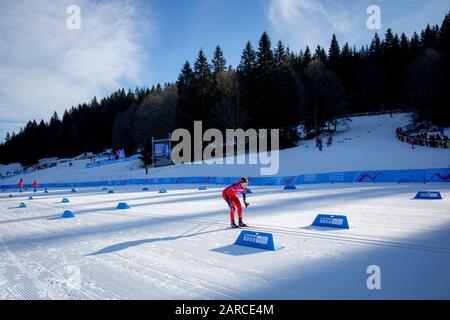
312, 22
8, 126
45, 67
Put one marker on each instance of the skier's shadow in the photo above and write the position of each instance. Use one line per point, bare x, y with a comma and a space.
235, 250
129, 244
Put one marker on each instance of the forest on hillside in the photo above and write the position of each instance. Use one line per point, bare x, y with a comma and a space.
272, 87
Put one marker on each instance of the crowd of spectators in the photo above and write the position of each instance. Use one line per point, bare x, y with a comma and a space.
432, 140
25, 170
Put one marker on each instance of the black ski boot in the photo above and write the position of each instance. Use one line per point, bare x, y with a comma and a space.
234, 225
241, 224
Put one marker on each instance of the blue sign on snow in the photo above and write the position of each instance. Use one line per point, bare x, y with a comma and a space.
68, 214
428, 195
123, 205
257, 240
331, 221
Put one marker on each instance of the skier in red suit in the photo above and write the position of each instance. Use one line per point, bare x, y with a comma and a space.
229, 194
20, 185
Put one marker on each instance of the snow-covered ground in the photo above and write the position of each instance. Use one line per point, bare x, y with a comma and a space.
179, 246
369, 144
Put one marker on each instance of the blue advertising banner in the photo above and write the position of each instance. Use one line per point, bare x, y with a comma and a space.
161, 150
380, 176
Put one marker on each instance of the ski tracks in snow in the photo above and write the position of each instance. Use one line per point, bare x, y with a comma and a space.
123, 279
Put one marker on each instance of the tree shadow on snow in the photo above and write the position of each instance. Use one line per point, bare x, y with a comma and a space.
368, 193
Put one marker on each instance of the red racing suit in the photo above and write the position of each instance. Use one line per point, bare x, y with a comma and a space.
229, 194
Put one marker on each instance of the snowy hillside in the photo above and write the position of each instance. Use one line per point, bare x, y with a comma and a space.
369, 144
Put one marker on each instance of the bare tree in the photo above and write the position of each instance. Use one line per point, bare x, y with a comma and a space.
155, 117
424, 85
325, 101
226, 112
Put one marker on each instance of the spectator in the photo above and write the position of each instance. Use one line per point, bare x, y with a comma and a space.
330, 141
432, 142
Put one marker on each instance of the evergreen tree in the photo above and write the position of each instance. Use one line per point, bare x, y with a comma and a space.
320, 54
376, 47
334, 52
218, 61
346, 53
405, 48
248, 60
204, 89
185, 103
280, 54
264, 55
444, 35
388, 42
246, 71
415, 44
307, 56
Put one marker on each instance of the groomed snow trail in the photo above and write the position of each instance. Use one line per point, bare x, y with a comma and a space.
179, 245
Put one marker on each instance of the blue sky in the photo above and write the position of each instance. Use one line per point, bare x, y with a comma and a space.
125, 43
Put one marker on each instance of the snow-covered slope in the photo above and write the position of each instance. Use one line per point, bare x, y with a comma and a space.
369, 144
179, 245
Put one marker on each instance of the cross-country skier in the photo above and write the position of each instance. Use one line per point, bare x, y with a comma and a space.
35, 185
20, 185
229, 194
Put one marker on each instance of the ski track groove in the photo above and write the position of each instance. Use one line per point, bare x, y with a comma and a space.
187, 281
80, 293
201, 284
122, 293
292, 232
33, 225
36, 287
41, 288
